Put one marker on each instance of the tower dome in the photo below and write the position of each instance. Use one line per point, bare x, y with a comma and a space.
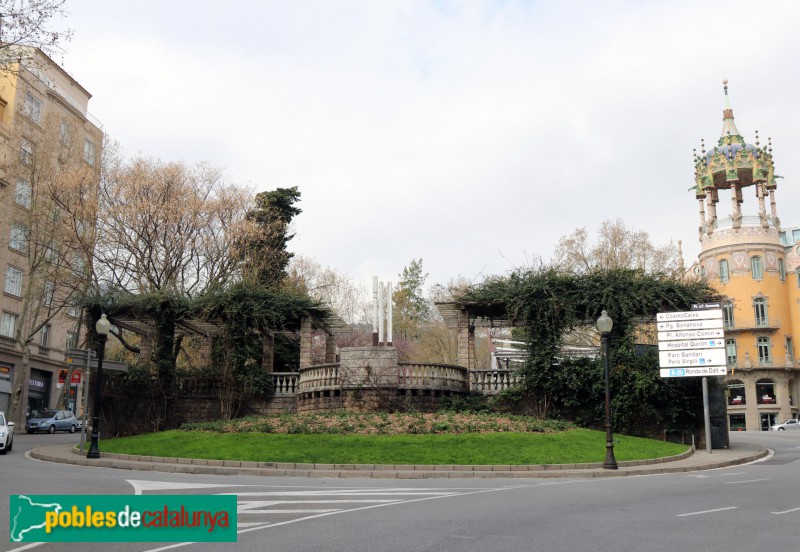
733, 165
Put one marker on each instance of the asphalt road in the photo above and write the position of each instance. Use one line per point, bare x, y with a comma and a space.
751, 507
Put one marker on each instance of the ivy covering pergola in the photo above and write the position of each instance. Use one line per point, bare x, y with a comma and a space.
546, 305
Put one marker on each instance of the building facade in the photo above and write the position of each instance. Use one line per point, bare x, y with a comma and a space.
755, 266
49, 169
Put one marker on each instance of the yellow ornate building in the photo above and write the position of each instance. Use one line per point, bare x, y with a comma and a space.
755, 265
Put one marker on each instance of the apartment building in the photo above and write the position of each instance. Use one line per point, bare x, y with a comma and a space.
49, 165
754, 263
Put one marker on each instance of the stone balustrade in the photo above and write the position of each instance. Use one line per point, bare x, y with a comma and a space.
285, 383
323, 377
492, 382
434, 377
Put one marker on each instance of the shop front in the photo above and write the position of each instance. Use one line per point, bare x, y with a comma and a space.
39, 391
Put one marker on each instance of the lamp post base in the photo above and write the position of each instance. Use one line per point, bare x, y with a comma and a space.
611, 462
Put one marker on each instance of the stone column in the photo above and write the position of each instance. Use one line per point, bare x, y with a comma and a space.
146, 351
466, 342
703, 223
762, 208
268, 353
330, 349
782, 396
305, 343
736, 208
206, 350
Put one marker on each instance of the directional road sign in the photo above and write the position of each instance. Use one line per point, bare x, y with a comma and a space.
692, 372
682, 344
691, 334
689, 315
676, 325
698, 357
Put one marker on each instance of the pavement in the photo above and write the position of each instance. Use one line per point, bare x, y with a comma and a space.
697, 460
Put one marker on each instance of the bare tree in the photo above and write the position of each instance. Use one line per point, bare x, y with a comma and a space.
617, 247
348, 300
167, 226
25, 25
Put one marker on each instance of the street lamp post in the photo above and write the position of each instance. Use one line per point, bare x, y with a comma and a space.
102, 328
604, 324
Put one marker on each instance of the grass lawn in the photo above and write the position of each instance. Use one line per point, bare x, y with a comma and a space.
562, 447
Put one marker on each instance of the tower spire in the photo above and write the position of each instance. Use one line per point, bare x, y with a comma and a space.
728, 125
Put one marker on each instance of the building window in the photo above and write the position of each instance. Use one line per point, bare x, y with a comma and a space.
724, 274
19, 238
33, 108
8, 325
26, 152
764, 351
49, 289
797, 277
72, 340
13, 284
44, 337
765, 392
74, 312
730, 351
738, 422
756, 268
88, 151
22, 196
736, 395
760, 311
727, 315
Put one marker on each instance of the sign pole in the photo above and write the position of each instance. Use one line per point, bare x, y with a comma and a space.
706, 415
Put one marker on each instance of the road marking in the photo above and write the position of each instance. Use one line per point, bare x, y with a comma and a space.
349, 510
746, 481
139, 486
786, 511
707, 511
699, 476
344, 492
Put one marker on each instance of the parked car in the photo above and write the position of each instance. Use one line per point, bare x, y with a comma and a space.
52, 421
788, 424
6, 434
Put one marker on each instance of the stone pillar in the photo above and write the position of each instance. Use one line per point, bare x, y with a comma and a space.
466, 342
736, 208
782, 396
146, 351
305, 343
206, 350
330, 349
268, 352
712, 214
762, 208
703, 223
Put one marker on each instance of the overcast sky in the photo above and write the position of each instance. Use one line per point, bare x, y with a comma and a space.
469, 134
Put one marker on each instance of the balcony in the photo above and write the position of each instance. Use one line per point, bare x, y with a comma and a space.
753, 326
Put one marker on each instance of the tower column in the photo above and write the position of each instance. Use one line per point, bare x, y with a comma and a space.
703, 222
762, 209
736, 208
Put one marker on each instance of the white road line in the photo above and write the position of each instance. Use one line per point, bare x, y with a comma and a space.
248, 505
27, 547
701, 476
307, 511
707, 511
345, 511
344, 493
746, 481
785, 511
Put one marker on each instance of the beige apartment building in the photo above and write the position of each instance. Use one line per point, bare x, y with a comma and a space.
49, 166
